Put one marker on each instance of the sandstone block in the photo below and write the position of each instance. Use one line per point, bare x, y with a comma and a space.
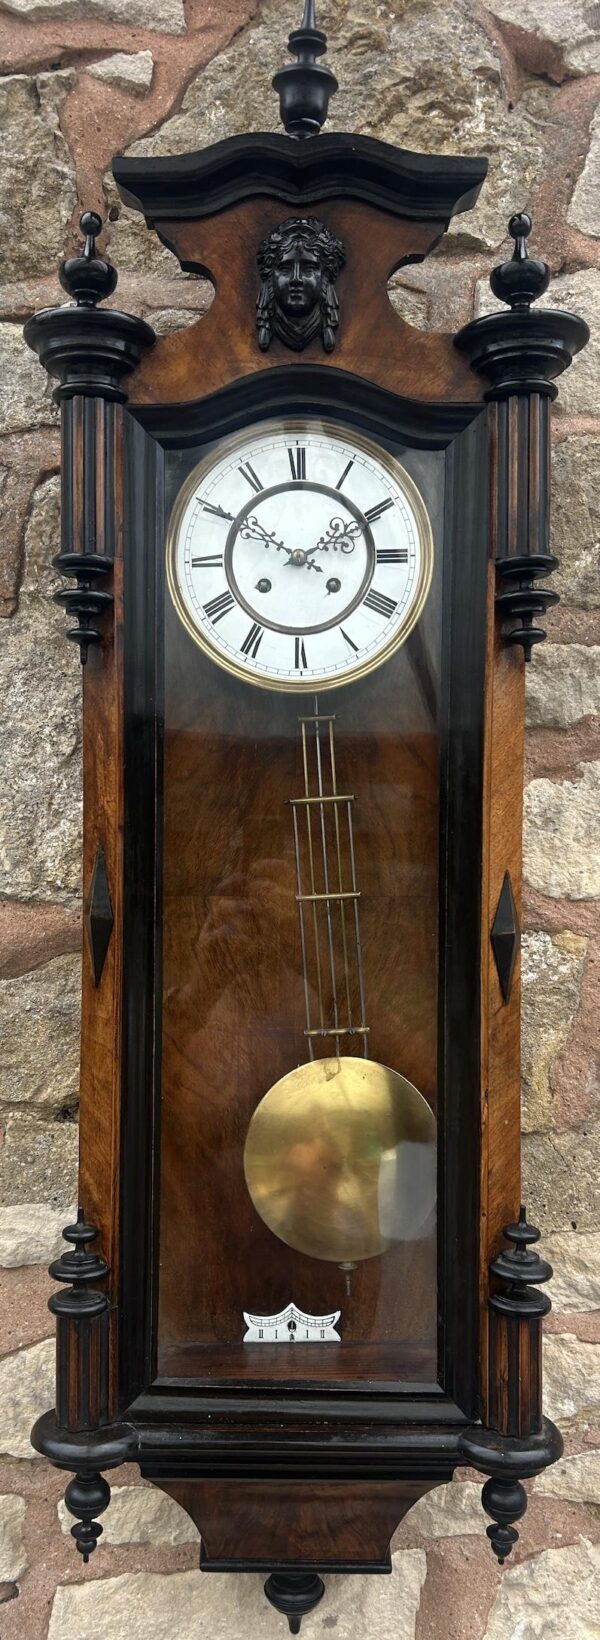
556, 1595
37, 179
25, 389
26, 1390
564, 685
575, 1259
551, 977
571, 1379
141, 1514
32, 1233
39, 1035
186, 1604
131, 245
126, 71
561, 1179
577, 1479
449, 1511
164, 15
575, 535
169, 320
38, 1159
40, 794
584, 210
412, 305
562, 835
13, 1559
566, 37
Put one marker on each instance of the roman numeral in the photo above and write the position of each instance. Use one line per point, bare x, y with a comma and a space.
251, 477
251, 644
299, 654
349, 641
380, 603
217, 512
344, 474
208, 563
392, 555
298, 462
374, 513
216, 608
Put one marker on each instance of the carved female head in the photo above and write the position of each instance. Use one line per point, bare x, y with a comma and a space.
299, 262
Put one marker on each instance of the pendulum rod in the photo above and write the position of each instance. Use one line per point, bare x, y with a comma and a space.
359, 958
338, 851
301, 899
320, 790
313, 895
325, 892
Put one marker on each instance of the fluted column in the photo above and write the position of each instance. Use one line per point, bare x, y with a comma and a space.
521, 352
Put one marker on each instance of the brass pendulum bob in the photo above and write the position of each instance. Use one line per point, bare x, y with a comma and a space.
340, 1159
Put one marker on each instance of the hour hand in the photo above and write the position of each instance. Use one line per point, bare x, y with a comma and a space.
340, 534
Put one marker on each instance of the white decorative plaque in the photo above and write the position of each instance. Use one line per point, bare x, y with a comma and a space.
292, 1326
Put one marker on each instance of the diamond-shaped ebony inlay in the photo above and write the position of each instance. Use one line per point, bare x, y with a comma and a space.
506, 936
98, 915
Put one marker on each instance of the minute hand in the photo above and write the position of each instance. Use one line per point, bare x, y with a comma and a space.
252, 530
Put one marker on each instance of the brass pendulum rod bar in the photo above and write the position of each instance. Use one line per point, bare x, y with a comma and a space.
344, 1030
331, 797
348, 894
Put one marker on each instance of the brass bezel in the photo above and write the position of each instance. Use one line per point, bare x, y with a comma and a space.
295, 427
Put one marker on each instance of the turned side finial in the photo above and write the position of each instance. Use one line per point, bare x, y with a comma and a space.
88, 278
305, 86
523, 278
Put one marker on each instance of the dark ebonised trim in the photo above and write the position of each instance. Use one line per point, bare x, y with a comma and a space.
143, 542
461, 821
426, 187
314, 389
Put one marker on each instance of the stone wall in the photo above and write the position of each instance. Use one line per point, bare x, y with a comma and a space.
520, 83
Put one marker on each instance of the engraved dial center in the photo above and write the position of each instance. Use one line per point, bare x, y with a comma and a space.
300, 532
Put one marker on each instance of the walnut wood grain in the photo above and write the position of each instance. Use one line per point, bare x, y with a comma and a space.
503, 822
284, 1523
373, 340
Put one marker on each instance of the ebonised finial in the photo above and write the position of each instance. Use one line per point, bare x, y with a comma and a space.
523, 278
306, 86
88, 277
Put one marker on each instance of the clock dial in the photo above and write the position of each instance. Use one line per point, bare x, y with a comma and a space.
299, 554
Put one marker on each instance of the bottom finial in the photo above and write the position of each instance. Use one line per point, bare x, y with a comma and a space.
505, 1501
294, 1594
87, 1496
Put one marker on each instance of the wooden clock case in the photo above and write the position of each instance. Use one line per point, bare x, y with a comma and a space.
294, 1479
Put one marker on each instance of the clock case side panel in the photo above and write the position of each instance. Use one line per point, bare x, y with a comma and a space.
462, 832
313, 391
144, 512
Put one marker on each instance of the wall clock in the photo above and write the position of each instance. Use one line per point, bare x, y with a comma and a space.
308, 549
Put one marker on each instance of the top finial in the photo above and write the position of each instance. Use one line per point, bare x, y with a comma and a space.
88, 277
523, 278
305, 86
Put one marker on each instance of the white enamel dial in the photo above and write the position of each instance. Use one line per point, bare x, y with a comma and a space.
299, 555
